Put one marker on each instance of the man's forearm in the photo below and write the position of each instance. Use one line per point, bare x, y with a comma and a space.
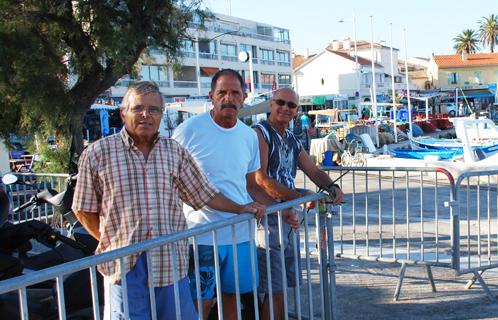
222, 203
278, 190
90, 221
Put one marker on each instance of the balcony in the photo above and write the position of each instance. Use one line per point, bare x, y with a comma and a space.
229, 58
207, 55
184, 84
188, 54
267, 62
283, 63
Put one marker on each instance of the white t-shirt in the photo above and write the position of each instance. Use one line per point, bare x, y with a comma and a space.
225, 156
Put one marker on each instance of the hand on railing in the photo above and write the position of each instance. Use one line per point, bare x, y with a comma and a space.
291, 218
255, 208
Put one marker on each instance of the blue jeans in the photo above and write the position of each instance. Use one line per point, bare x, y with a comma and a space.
139, 300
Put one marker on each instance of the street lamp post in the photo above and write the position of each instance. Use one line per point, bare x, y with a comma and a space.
243, 57
374, 89
357, 66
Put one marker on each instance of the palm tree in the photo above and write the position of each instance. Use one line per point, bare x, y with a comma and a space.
488, 31
466, 42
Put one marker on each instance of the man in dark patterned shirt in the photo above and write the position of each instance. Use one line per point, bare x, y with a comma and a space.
281, 153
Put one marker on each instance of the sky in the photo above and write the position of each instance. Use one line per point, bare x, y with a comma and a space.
430, 25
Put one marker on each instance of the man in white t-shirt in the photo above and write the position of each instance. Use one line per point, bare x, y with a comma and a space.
228, 153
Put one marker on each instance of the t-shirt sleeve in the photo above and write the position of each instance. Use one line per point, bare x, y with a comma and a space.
254, 164
194, 187
87, 194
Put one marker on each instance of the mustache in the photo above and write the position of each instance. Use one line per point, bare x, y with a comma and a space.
228, 105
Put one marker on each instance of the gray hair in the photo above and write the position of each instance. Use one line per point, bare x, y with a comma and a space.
276, 92
140, 88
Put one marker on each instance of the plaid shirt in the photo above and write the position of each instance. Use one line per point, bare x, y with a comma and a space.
139, 200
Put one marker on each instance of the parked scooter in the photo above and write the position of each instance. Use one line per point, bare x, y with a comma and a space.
51, 248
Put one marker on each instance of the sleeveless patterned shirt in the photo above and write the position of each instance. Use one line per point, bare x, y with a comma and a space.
283, 153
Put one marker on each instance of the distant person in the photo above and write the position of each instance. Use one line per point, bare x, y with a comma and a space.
227, 151
281, 153
305, 121
130, 188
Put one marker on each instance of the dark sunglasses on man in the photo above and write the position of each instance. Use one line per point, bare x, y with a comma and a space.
289, 104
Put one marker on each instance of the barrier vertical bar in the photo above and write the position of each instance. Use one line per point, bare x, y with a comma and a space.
236, 269
366, 214
150, 280
23, 303
219, 294
95, 293
282, 261
468, 224
421, 216
176, 288
407, 216
253, 269
269, 292
354, 213
380, 211
393, 188
478, 195
297, 290
60, 297
321, 262
489, 219
308, 264
124, 288
195, 250
331, 266
436, 214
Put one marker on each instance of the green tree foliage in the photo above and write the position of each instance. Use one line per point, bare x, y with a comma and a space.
488, 31
56, 57
466, 42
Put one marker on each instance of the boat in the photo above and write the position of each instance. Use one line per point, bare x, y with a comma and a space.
426, 154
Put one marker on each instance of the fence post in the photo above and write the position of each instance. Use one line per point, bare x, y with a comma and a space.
332, 303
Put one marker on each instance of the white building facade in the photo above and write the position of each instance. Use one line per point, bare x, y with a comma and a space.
334, 71
219, 44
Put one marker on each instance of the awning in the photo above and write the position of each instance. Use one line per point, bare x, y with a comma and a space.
209, 70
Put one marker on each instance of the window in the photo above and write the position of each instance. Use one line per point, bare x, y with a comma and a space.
477, 77
247, 48
228, 52
207, 49
264, 30
283, 58
281, 35
453, 78
267, 56
156, 73
284, 79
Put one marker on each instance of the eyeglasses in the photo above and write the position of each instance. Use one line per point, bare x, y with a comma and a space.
289, 104
152, 110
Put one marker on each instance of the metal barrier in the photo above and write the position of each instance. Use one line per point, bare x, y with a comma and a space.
30, 184
312, 288
476, 221
396, 215
419, 216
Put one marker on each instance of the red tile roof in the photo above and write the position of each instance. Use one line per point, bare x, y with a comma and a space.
361, 61
299, 60
475, 59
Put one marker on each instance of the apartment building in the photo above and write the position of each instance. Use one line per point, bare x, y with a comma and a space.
334, 72
215, 46
471, 75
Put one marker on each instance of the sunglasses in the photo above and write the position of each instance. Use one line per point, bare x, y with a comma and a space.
289, 104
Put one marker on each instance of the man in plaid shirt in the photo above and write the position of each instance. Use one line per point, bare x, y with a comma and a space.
131, 188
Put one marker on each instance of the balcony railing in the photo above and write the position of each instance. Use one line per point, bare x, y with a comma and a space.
184, 84
207, 55
283, 63
188, 54
229, 58
268, 62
